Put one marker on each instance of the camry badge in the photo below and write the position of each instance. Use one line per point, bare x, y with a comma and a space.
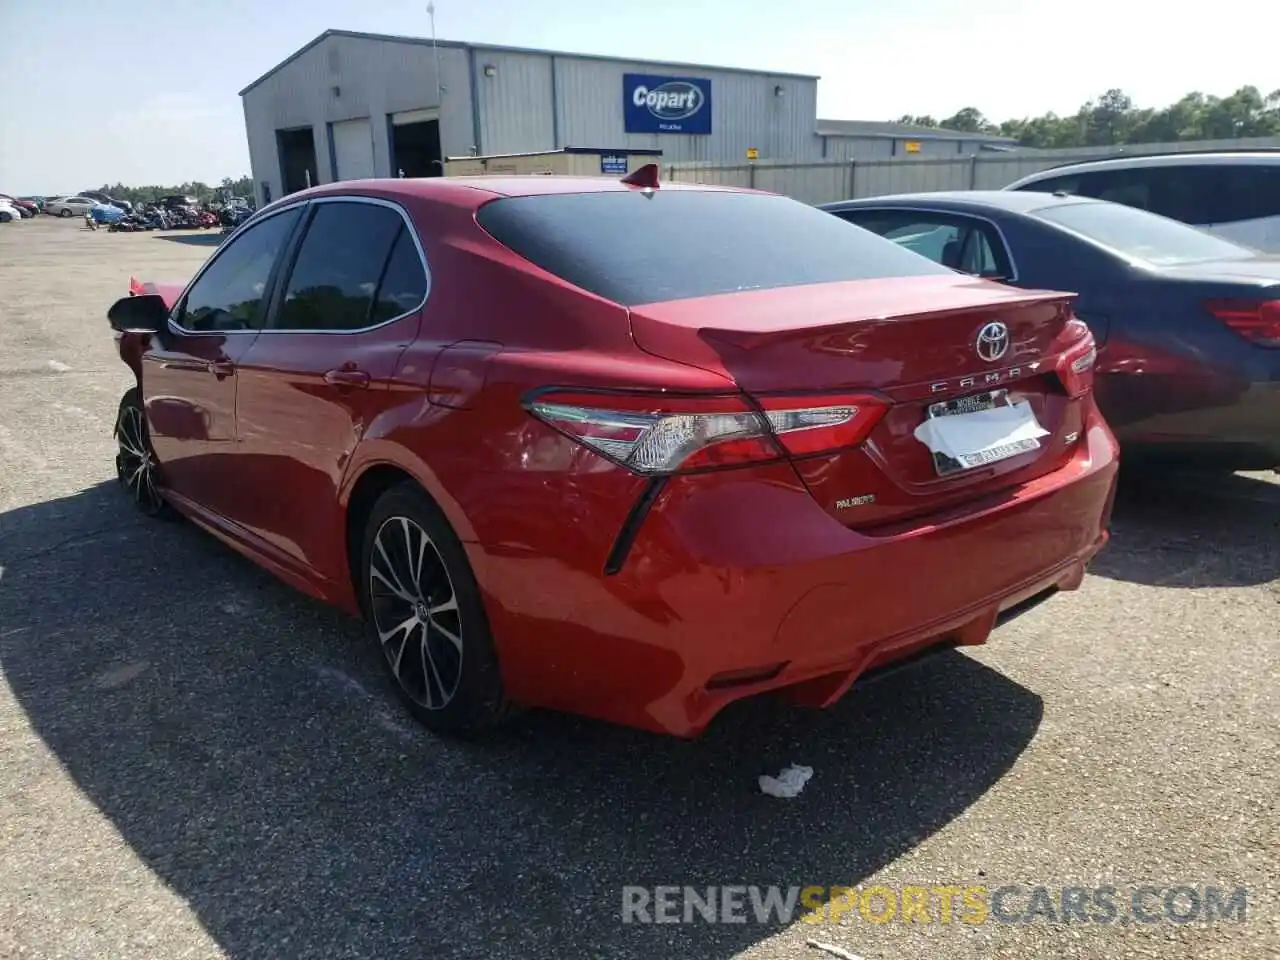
993, 341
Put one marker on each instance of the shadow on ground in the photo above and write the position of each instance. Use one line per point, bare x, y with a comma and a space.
193, 239
243, 742
1191, 529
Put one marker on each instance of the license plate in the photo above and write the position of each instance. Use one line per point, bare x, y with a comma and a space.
976, 403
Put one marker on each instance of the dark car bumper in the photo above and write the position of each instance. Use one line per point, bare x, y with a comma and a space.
1243, 434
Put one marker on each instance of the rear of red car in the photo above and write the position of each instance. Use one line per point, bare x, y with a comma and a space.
886, 457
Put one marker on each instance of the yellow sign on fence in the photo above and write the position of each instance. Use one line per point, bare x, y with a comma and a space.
753, 153
913, 146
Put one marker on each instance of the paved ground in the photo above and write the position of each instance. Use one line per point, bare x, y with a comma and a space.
197, 762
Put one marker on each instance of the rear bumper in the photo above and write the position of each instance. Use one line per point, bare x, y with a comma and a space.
1241, 432
739, 583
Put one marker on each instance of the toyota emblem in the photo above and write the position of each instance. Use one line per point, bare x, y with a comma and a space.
993, 341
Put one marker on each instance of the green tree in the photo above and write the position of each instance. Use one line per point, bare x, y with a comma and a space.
1113, 119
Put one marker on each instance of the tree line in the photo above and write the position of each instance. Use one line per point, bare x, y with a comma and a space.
1113, 119
238, 187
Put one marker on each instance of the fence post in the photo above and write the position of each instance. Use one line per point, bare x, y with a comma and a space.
853, 179
751, 175
973, 172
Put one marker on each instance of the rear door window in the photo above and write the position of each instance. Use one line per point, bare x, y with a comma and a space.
339, 266
638, 247
962, 243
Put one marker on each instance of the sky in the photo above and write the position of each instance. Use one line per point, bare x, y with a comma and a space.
146, 91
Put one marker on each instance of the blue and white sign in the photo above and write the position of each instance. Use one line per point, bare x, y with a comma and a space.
613, 163
666, 104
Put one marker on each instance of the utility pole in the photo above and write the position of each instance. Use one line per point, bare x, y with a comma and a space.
431, 12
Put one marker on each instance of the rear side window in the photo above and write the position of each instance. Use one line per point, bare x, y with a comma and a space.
338, 268
1228, 193
635, 248
1141, 235
404, 283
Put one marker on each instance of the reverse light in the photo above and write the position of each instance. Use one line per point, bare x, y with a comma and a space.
1256, 321
655, 435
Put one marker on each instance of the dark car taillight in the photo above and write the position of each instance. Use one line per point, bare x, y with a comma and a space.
1256, 321
657, 435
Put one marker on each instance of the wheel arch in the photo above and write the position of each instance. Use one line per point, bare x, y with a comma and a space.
370, 480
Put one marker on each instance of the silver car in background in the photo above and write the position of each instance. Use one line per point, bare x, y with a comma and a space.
1235, 195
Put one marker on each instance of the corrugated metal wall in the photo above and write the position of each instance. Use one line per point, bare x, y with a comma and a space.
886, 148
373, 79
515, 102
828, 181
745, 112
525, 102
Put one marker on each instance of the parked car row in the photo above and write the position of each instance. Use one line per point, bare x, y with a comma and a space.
170, 212
639, 450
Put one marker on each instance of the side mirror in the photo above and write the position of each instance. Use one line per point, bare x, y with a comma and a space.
147, 313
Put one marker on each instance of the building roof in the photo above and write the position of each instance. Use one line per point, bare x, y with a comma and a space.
901, 131
460, 45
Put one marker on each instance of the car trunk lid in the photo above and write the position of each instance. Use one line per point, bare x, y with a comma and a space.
912, 342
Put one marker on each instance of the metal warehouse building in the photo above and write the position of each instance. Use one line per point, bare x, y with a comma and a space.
352, 105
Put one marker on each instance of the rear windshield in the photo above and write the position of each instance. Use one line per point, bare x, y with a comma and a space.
1141, 235
634, 248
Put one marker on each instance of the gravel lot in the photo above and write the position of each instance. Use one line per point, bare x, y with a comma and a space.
197, 762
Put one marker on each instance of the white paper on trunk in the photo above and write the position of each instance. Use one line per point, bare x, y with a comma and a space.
964, 434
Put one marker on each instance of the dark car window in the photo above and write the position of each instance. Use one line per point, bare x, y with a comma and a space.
955, 241
336, 273
1130, 187
229, 294
1224, 193
404, 283
1141, 235
636, 247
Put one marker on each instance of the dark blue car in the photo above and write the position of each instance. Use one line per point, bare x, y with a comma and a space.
1188, 324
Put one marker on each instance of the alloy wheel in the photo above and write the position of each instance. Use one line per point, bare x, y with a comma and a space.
135, 466
415, 610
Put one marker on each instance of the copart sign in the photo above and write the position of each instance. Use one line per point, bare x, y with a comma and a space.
666, 104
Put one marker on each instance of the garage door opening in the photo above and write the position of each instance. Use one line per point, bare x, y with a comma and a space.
415, 148
297, 159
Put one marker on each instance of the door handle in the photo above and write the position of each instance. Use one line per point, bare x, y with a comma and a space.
347, 378
221, 368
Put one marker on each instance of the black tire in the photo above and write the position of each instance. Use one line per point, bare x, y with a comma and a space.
441, 659
64, 212
5, 216
136, 466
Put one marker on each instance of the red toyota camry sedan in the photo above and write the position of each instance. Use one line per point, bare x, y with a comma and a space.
627, 449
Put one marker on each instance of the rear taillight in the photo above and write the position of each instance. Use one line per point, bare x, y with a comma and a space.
1075, 366
656, 435
1256, 321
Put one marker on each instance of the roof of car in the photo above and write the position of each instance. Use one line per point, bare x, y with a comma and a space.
476, 190
1156, 160
1014, 202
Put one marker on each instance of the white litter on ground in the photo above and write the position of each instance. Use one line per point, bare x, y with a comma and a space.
833, 950
788, 783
